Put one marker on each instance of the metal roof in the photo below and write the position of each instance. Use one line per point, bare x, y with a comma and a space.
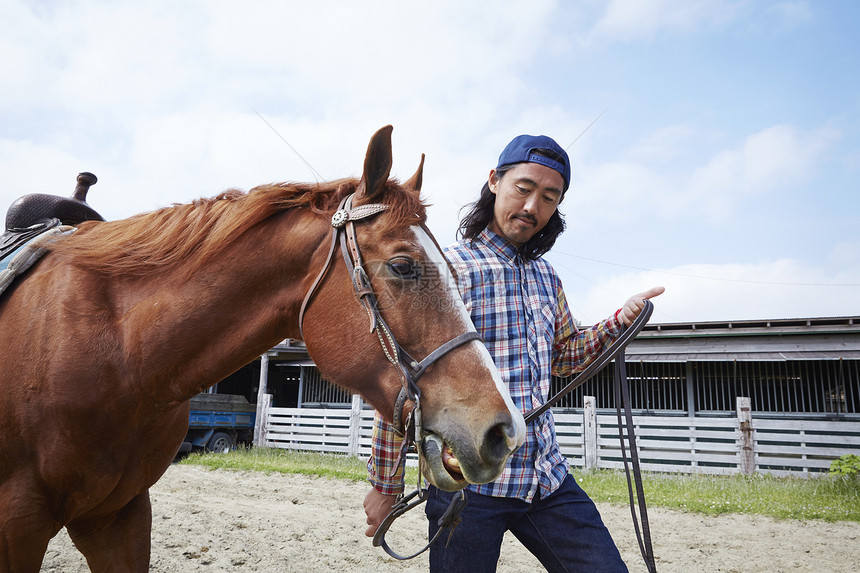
755, 327
774, 340
740, 356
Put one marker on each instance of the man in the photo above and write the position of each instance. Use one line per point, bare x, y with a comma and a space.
518, 306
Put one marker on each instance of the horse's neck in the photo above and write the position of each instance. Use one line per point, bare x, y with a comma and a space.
193, 333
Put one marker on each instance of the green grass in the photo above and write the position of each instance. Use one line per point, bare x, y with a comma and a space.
274, 460
828, 498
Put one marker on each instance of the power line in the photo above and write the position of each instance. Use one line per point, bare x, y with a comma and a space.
603, 286
690, 275
569, 145
299, 155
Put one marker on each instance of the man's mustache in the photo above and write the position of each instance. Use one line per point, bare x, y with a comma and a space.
528, 217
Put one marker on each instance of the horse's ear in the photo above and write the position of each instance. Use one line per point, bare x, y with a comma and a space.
414, 182
377, 167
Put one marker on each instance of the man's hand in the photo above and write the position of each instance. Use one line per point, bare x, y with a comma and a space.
634, 305
377, 506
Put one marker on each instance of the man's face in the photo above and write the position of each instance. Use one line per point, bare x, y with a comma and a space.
526, 197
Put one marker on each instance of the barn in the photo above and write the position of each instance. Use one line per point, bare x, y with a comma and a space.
797, 379
798, 368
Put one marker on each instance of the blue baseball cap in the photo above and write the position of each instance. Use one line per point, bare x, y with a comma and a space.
522, 150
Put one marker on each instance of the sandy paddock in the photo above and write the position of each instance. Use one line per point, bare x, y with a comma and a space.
222, 520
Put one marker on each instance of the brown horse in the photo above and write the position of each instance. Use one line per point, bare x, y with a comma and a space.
111, 334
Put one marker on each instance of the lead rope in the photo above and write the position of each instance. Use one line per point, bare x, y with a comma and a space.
622, 393
450, 519
622, 387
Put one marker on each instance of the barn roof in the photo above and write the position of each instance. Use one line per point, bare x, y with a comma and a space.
749, 340
826, 338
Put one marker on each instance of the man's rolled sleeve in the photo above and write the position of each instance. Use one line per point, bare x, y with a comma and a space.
575, 349
385, 448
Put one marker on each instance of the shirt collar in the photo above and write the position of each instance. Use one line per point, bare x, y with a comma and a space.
501, 246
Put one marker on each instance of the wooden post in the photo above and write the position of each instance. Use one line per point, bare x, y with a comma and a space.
589, 432
264, 427
354, 425
746, 444
260, 423
691, 389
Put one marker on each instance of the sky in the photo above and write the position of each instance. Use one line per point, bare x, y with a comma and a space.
715, 143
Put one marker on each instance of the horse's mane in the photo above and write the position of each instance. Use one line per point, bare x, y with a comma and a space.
193, 233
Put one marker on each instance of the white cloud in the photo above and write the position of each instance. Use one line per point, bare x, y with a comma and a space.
158, 99
845, 256
659, 178
24, 165
783, 288
663, 145
163, 95
637, 20
618, 190
777, 157
628, 20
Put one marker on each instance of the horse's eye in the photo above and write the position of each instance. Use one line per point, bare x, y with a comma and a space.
403, 267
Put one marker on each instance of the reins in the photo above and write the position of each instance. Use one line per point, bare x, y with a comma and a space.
644, 538
622, 398
615, 351
404, 503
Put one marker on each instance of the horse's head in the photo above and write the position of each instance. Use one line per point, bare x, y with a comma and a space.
394, 326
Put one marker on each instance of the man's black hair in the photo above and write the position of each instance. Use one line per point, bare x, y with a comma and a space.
480, 215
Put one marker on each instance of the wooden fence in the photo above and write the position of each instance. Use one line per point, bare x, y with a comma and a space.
714, 445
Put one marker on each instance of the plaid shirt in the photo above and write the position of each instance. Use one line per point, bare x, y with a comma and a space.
520, 310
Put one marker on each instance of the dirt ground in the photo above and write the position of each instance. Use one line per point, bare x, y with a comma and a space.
221, 520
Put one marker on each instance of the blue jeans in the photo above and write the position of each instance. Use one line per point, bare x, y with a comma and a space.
564, 531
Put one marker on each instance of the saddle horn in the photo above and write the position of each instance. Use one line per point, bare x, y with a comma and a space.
31, 209
85, 181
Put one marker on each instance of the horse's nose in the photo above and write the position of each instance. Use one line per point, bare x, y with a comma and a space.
501, 439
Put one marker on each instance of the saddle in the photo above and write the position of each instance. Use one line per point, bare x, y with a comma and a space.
36, 215
38, 207
13, 239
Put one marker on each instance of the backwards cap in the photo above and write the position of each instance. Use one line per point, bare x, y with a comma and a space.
522, 150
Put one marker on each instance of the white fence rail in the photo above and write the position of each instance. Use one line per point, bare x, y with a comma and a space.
715, 445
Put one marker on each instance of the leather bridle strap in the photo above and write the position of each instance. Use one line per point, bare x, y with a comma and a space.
419, 368
411, 369
341, 217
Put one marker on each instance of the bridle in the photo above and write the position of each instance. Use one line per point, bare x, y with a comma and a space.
343, 231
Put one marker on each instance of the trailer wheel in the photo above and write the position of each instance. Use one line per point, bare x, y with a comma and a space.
221, 442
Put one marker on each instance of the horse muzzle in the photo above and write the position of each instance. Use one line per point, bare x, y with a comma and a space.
451, 467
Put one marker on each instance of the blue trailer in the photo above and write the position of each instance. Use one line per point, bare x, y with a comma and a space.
218, 422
